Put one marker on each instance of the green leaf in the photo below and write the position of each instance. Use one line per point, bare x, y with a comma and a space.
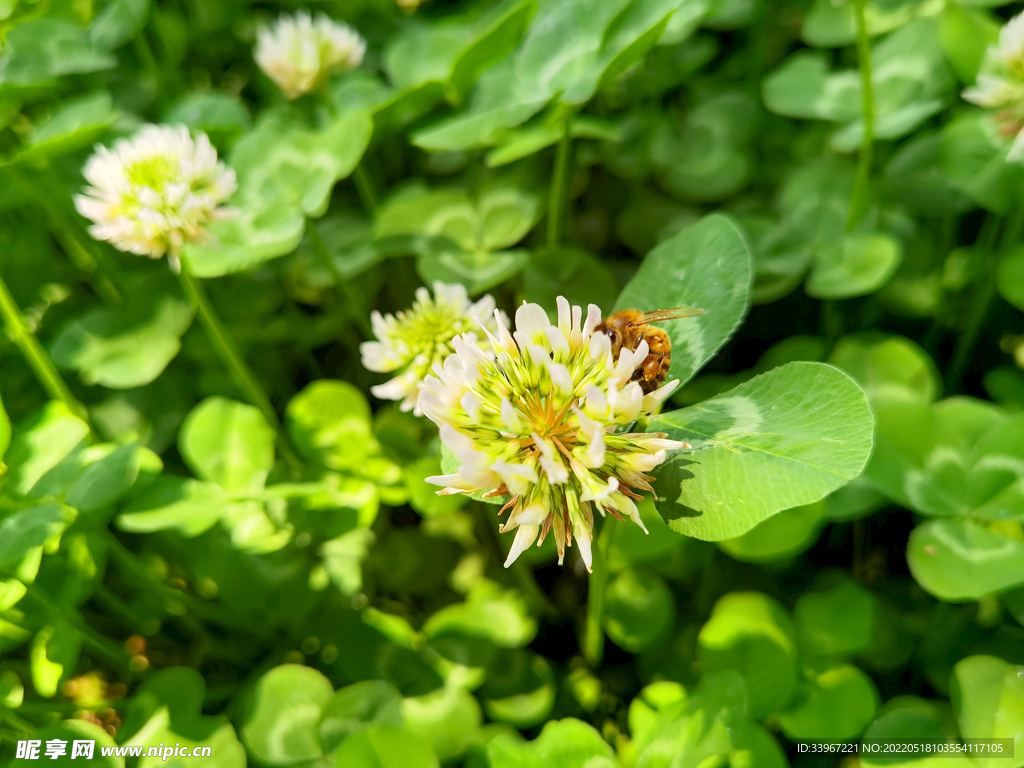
861, 264
639, 611
707, 265
965, 34
280, 163
1011, 277
705, 726
837, 704
245, 240
780, 537
447, 719
40, 443
453, 51
228, 443
974, 161
910, 77
884, 365
385, 747
129, 346
564, 743
987, 695
964, 560
343, 558
803, 87
520, 689
369, 704
329, 422
643, 710
55, 651
570, 49
529, 140
5, 434
118, 22
71, 731
174, 503
107, 480
750, 633
168, 708
280, 723
477, 270
905, 724
705, 155
76, 124
839, 621
43, 49
785, 438
216, 114
12, 692
28, 528
490, 612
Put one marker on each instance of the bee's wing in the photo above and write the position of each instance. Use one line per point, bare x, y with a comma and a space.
659, 315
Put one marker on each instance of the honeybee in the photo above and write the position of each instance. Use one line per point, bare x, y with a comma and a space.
628, 327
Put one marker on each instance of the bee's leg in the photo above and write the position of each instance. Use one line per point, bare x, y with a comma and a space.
652, 366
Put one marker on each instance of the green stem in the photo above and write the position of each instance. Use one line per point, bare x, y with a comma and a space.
81, 258
832, 323
22, 725
236, 365
144, 579
984, 290
352, 300
102, 646
593, 633
860, 200
35, 355
364, 186
557, 203
46, 191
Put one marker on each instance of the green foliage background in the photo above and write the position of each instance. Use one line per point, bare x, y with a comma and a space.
839, 556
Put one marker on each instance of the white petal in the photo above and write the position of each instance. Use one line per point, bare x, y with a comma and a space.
525, 536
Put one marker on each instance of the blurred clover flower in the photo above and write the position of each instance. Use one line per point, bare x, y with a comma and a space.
301, 52
411, 342
1001, 84
151, 194
538, 418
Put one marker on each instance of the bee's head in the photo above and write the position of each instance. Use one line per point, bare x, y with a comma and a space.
620, 328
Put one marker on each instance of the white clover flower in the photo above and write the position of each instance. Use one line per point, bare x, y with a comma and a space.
411, 342
300, 52
539, 417
1000, 85
155, 192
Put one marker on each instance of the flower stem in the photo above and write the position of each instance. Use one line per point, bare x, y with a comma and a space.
593, 633
559, 184
984, 289
860, 200
22, 725
81, 258
139, 575
352, 300
235, 363
35, 355
364, 186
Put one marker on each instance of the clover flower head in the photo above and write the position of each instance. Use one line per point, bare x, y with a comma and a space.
152, 193
1000, 85
300, 52
541, 416
1009, 52
412, 341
